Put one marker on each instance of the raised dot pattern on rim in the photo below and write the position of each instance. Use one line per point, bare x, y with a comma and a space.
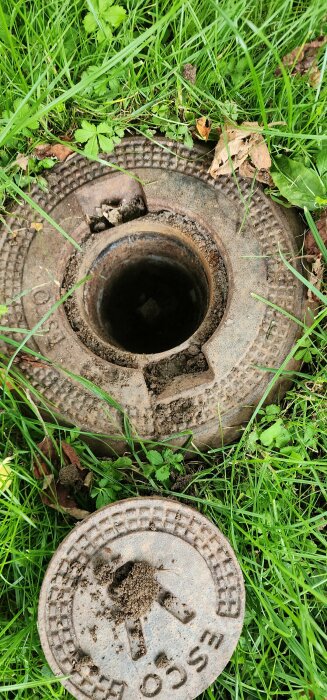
67, 396
88, 538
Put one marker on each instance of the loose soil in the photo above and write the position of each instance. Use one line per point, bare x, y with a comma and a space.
135, 592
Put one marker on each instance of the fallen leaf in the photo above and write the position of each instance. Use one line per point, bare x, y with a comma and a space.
30, 359
22, 161
5, 474
68, 136
60, 486
242, 149
310, 245
65, 503
47, 481
303, 60
5, 382
47, 448
88, 480
248, 170
36, 226
260, 157
314, 76
315, 278
203, 126
52, 150
71, 454
189, 72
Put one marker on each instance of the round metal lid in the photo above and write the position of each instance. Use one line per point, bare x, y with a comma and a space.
143, 599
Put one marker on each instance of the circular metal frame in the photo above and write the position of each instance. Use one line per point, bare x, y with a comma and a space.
211, 382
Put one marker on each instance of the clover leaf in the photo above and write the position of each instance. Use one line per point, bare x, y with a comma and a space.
102, 137
105, 17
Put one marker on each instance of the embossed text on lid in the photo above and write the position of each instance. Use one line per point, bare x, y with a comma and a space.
143, 599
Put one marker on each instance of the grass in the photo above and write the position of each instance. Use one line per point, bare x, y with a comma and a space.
267, 494
269, 501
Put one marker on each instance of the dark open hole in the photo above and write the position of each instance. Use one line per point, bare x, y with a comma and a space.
153, 304
121, 574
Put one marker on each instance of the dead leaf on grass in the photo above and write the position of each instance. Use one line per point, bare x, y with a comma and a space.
242, 149
310, 245
303, 60
30, 359
59, 487
5, 382
315, 278
189, 72
36, 226
203, 126
5, 474
52, 150
248, 170
22, 161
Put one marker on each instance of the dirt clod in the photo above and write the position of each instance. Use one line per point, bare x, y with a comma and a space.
189, 72
82, 662
103, 572
161, 661
93, 632
69, 475
135, 593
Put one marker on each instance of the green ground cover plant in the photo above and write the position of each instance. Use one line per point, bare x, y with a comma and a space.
86, 73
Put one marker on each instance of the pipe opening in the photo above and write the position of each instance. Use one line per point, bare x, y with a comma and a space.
153, 303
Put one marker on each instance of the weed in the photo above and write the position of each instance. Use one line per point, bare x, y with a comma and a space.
102, 137
103, 18
108, 488
300, 185
161, 464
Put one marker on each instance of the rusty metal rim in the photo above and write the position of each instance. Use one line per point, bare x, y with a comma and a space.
188, 401
116, 269
95, 248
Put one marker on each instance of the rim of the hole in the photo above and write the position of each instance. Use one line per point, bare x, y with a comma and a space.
126, 307
161, 224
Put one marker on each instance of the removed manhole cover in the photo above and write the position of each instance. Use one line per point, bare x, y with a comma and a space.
143, 599
166, 322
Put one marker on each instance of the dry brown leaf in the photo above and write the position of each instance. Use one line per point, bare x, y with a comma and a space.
52, 150
88, 480
22, 161
248, 170
242, 149
303, 60
203, 126
5, 382
260, 157
36, 226
321, 224
60, 486
314, 76
316, 278
30, 359
310, 245
72, 455
189, 72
